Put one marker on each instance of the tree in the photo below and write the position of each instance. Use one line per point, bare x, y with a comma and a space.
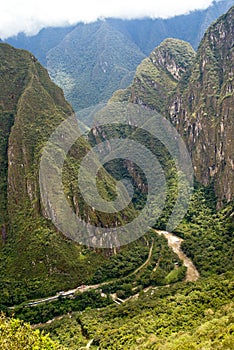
15, 334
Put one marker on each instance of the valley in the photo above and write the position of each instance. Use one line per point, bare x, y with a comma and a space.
173, 242
117, 188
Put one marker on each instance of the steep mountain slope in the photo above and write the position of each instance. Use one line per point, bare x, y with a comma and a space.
191, 315
31, 107
203, 108
199, 101
35, 258
40, 43
148, 33
157, 76
24, 84
92, 62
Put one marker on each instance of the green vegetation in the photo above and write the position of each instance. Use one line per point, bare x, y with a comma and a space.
157, 76
174, 55
208, 236
202, 109
143, 263
120, 43
42, 313
92, 62
14, 334
157, 308
35, 259
189, 315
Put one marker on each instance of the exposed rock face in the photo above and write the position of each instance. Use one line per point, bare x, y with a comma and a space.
31, 108
203, 109
24, 84
174, 56
196, 93
158, 75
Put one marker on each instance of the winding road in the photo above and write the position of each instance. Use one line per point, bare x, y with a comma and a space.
85, 288
174, 243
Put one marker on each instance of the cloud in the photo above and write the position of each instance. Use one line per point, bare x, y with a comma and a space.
29, 16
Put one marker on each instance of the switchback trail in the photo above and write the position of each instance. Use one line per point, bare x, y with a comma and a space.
174, 242
85, 288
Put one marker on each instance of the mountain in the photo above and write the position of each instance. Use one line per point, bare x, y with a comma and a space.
202, 109
149, 33
158, 75
32, 252
144, 294
204, 119
37, 255
42, 42
197, 314
200, 100
36, 259
91, 61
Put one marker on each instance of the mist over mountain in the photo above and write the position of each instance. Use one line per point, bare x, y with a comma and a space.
164, 290
76, 56
197, 95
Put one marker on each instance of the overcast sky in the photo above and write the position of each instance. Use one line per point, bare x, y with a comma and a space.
30, 16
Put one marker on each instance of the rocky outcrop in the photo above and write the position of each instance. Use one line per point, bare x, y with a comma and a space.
158, 75
196, 94
174, 57
31, 108
203, 109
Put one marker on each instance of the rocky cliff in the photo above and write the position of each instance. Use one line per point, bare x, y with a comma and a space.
196, 93
32, 250
31, 106
157, 76
203, 109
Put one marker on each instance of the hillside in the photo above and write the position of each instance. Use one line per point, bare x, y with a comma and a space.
157, 76
202, 109
200, 100
194, 316
91, 61
163, 291
36, 259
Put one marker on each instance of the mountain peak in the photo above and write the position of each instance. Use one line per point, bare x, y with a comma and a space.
174, 56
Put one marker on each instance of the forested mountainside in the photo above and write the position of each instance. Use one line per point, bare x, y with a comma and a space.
91, 61
190, 316
31, 249
143, 295
157, 76
197, 98
35, 257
